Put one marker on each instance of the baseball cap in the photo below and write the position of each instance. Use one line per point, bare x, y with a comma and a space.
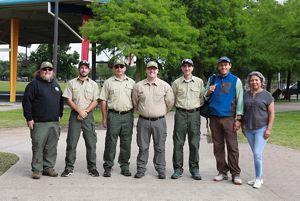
152, 64
46, 64
84, 62
224, 58
187, 61
119, 62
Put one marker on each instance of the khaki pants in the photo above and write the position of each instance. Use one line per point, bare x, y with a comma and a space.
44, 138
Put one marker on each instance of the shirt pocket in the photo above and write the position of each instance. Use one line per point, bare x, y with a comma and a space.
195, 92
75, 94
159, 96
89, 94
128, 90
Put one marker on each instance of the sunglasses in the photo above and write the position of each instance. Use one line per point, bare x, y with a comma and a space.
47, 69
118, 66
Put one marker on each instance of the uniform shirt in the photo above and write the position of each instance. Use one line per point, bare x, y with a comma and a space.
152, 100
117, 93
82, 93
256, 113
188, 94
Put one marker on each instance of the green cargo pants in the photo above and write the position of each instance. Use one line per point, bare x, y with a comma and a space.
44, 138
186, 123
90, 137
118, 125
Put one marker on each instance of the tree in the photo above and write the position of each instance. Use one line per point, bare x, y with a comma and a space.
148, 29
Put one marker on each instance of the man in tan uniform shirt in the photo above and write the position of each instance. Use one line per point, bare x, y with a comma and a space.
82, 95
117, 117
188, 91
153, 98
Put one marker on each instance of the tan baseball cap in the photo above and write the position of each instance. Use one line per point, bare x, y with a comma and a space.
152, 64
46, 64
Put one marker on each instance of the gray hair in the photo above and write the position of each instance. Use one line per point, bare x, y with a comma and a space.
258, 74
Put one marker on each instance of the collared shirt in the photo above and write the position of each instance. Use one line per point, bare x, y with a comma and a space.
117, 93
152, 100
82, 93
188, 93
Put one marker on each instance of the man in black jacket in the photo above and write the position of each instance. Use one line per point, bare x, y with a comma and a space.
42, 108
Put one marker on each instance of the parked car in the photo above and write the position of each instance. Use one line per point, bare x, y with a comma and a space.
294, 90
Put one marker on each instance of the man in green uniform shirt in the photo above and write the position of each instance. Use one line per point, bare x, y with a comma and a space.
117, 117
82, 95
188, 91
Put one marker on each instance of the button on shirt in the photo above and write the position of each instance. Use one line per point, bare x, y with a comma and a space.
188, 93
117, 93
82, 93
152, 99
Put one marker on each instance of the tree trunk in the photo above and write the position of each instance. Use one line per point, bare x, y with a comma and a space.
269, 77
138, 69
288, 82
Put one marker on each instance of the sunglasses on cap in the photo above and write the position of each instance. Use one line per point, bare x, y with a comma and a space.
47, 69
84, 62
118, 66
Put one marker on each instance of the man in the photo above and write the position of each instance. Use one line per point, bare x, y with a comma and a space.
117, 117
153, 98
188, 91
42, 107
226, 110
82, 95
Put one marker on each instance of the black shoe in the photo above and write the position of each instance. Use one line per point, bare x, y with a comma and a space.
196, 175
139, 175
66, 173
107, 173
126, 173
177, 174
161, 175
94, 173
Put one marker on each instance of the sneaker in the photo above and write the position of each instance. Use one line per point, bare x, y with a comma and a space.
237, 180
94, 173
139, 175
126, 173
107, 173
196, 175
50, 172
258, 182
161, 175
36, 175
66, 173
251, 182
220, 177
177, 174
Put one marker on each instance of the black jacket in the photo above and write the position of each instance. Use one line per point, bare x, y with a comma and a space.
43, 101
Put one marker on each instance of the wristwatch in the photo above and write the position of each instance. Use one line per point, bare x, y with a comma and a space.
238, 118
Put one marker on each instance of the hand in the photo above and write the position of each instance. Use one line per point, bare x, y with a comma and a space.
104, 123
30, 124
211, 89
82, 113
237, 125
267, 134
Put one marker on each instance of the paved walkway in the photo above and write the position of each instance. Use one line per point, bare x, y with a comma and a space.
281, 173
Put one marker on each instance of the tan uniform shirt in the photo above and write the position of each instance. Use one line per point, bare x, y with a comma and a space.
188, 94
82, 93
117, 93
152, 100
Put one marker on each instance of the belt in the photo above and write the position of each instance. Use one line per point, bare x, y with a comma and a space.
152, 118
118, 112
189, 111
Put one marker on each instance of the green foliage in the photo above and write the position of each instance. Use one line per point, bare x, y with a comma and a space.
4, 70
146, 29
6, 161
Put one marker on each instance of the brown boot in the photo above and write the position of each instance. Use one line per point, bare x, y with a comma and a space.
50, 172
36, 175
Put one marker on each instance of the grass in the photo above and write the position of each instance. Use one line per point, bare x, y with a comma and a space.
20, 86
6, 161
285, 130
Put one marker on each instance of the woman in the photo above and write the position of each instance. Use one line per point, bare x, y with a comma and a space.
257, 121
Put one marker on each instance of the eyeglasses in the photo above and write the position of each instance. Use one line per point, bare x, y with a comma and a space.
119, 66
47, 69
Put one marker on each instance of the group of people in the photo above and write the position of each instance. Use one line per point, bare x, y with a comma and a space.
230, 109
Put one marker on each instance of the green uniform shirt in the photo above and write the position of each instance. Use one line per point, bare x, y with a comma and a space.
152, 100
117, 93
188, 94
82, 93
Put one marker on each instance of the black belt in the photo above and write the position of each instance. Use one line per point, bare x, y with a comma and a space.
118, 112
152, 118
189, 111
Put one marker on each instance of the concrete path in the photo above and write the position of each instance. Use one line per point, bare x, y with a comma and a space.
281, 174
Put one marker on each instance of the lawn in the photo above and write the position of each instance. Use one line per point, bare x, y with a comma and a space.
20, 86
6, 161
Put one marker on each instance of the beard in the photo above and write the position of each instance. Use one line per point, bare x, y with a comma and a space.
47, 77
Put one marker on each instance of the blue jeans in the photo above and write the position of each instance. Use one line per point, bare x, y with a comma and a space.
257, 143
